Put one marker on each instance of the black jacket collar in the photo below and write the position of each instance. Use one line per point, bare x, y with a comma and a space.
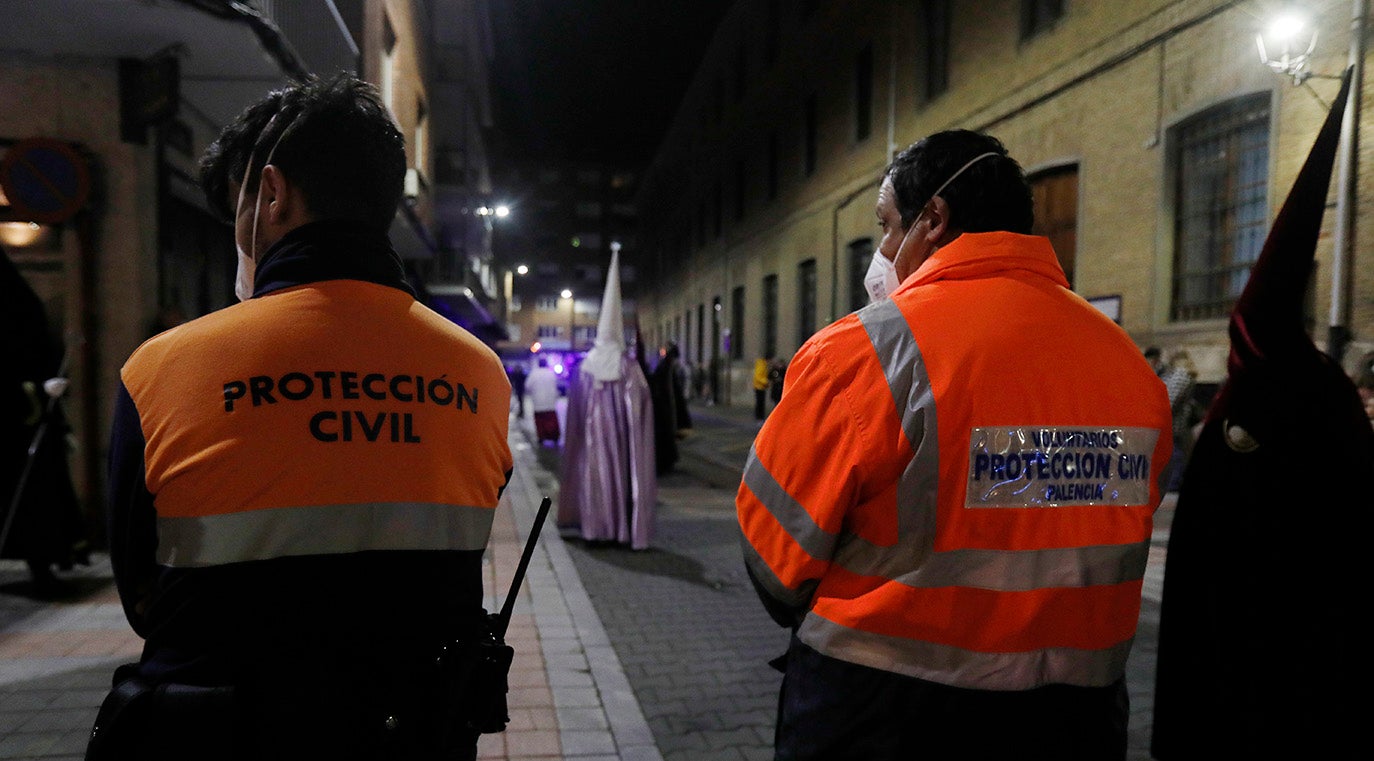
330, 250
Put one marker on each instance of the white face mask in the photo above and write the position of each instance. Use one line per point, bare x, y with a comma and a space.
248, 260
881, 279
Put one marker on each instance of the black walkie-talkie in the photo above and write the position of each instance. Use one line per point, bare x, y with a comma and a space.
478, 669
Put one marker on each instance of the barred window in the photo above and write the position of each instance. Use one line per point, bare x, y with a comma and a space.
1037, 16
737, 323
1220, 161
770, 316
860, 256
806, 302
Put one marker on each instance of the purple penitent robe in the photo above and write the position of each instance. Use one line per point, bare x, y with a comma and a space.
609, 487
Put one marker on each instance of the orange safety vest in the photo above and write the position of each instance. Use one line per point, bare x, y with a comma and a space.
960, 481
334, 417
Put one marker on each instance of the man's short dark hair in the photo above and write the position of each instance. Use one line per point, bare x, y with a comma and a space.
339, 145
992, 195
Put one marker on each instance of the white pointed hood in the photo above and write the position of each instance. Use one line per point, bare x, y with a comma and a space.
604, 359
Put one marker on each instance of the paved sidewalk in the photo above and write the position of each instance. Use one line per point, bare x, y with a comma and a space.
56, 660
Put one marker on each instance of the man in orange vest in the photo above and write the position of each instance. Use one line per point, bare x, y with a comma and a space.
952, 504
302, 484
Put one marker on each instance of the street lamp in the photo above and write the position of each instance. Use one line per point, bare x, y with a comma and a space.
572, 317
1286, 44
1287, 37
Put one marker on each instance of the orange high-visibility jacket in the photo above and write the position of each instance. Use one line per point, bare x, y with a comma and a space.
334, 417
959, 483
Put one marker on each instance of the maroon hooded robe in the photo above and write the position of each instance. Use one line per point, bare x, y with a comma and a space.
1263, 649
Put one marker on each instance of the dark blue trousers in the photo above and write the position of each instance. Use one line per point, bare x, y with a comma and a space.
834, 710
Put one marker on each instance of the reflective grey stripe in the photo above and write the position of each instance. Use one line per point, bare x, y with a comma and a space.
1023, 570
966, 668
320, 530
787, 511
793, 598
918, 487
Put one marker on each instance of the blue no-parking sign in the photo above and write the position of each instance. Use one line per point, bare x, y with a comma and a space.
45, 180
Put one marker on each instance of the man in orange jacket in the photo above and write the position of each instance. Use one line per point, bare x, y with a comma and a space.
302, 484
952, 504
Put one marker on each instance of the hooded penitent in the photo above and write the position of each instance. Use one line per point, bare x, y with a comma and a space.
609, 487
1262, 642
47, 527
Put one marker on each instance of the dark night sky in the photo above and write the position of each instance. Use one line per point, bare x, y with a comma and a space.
594, 79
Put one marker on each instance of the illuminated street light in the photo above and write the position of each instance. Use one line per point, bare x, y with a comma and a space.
503, 211
521, 269
1286, 45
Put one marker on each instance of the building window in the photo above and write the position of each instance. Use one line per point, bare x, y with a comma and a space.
715, 334
1220, 164
812, 133
741, 70
741, 189
770, 316
860, 256
550, 331
772, 165
717, 211
701, 334
1055, 194
806, 300
737, 322
772, 31
863, 93
546, 304
935, 30
1038, 16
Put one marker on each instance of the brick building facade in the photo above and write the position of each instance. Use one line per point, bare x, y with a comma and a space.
1158, 144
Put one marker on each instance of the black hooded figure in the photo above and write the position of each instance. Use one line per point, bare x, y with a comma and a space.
1262, 642
47, 529
670, 409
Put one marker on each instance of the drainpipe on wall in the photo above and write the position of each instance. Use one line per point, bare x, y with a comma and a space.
1338, 330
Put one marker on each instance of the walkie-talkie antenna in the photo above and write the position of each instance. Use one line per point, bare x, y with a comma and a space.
503, 620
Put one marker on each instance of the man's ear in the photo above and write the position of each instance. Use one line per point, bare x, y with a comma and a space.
940, 232
278, 196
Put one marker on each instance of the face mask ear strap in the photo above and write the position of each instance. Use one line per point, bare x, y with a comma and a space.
248, 172
952, 178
